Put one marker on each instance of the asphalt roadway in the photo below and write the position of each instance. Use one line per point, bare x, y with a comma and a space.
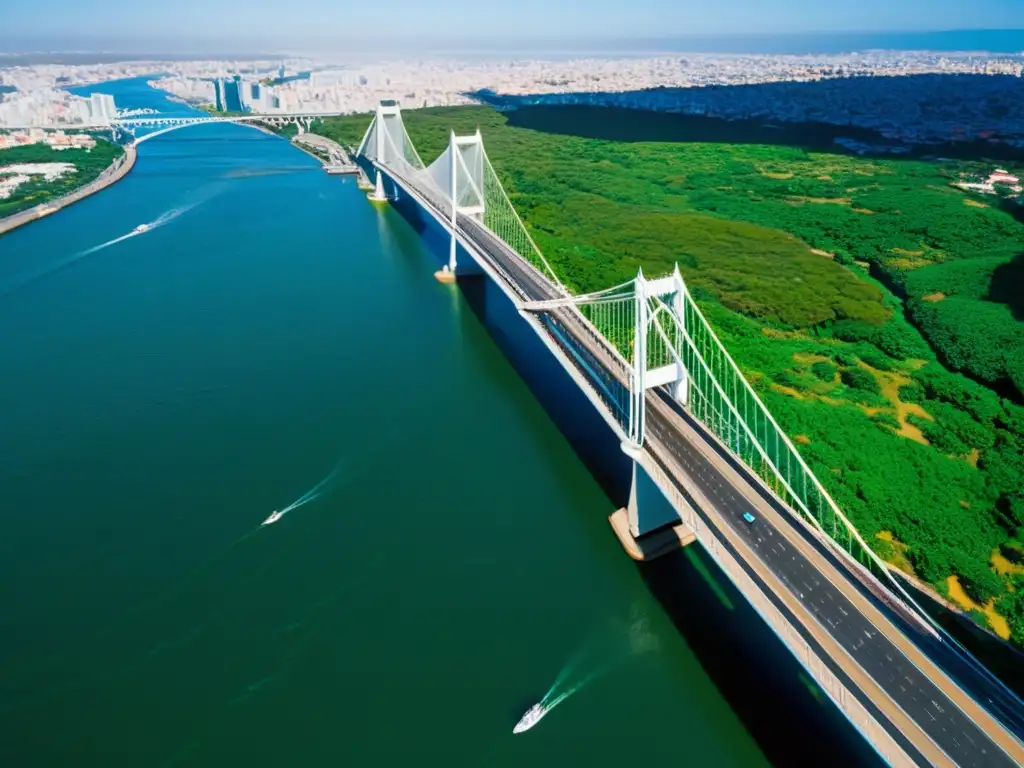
931, 708
785, 552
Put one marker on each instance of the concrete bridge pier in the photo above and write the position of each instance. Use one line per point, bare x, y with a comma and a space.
378, 196
447, 273
648, 526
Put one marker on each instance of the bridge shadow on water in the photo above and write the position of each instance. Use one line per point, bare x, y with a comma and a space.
565, 403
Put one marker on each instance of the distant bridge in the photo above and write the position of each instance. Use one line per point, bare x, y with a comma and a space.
129, 126
705, 448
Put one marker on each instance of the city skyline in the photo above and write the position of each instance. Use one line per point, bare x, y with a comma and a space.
201, 23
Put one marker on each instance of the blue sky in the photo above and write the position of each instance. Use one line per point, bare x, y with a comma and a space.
303, 21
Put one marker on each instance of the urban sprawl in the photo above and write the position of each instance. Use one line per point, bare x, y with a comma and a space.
870, 89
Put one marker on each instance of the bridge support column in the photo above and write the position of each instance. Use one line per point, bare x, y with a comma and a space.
447, 273
648, 526
378, 196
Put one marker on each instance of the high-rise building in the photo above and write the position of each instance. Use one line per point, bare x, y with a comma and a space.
232, 94
244, 98
236, 94
101, 108
250, 96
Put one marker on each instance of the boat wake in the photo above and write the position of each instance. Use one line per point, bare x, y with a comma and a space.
164, 218
312, 494
605, 651
252, 173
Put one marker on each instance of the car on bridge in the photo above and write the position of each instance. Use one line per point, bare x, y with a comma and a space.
748, 518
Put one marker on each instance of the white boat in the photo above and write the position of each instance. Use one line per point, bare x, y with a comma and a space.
140, 229
274, 517
531, 718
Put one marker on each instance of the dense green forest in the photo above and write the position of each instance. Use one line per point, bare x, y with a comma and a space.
779, 243
89, 163
898, 216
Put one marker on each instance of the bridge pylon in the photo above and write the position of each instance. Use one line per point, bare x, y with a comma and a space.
453, 159
673, 373
465, 189
659, 328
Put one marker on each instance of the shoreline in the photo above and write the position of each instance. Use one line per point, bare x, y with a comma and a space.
298, 146
261, 128
113, 173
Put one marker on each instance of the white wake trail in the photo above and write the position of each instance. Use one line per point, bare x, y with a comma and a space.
164, 218
101, 246
168, 216
605, 651
575, 689
343, 471
313, 493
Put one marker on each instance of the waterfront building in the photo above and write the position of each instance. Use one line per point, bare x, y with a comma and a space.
238, 94
250, 96
232, 94
57, 139
101, 109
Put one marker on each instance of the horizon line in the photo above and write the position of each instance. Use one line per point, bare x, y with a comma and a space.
614, 37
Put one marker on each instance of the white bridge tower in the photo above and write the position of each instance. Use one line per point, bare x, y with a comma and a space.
465, 185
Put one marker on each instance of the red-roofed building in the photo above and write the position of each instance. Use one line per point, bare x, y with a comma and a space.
999, 176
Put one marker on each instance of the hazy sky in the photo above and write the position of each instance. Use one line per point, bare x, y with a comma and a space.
318, 21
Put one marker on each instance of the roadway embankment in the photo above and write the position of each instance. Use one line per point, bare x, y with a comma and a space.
298, 145
114, 172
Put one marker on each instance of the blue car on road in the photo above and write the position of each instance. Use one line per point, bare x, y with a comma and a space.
748, 518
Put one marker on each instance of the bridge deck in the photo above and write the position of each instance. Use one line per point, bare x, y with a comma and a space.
867, 642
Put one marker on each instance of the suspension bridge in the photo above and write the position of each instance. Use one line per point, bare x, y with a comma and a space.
705, 451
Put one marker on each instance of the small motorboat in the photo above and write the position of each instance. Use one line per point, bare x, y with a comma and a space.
531, 718
274, 517
140, 229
